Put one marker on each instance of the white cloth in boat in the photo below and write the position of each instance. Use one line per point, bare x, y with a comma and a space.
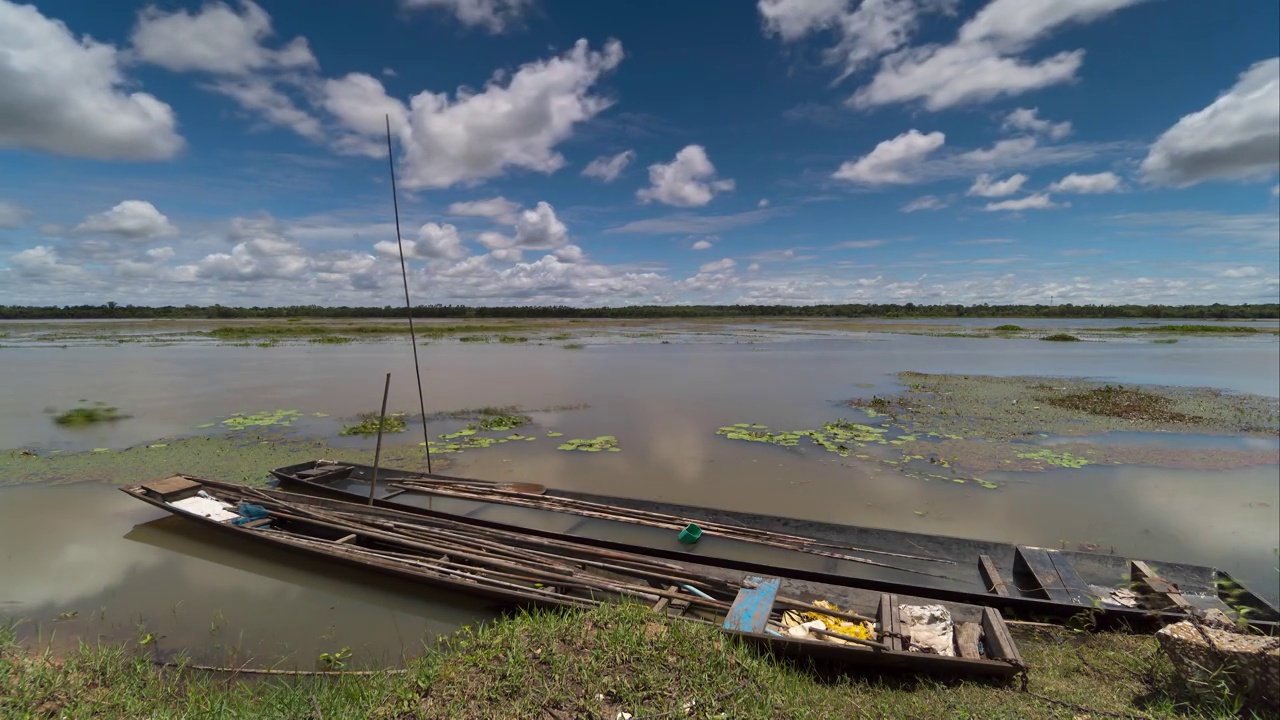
206, 507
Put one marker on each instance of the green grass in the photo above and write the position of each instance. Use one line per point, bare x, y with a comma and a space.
474, 339
90, 415
509, 339
573, 346
368, 424
1009, 328
330, 340
560, 336
1188, 329
594, 665
1060, 337
301, 330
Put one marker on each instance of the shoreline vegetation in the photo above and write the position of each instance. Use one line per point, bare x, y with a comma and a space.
598, 663
1215, 311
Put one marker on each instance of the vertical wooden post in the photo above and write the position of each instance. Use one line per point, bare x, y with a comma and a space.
377, 452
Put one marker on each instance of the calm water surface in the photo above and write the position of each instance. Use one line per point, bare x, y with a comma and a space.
90, 550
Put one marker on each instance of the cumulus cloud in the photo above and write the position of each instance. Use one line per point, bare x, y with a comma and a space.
540, 229
687, 181
495, 16
498, 208
265, 98
891, 160
514, 122
12, 215
133, 219
607, 168
924, 202
66, 95
722, 265
986, 186
1247, 271
1103, 182
1028, 120
216, 39
984, 61
865, 30
42, 262
702, 245
1039, 201
434, 242
1235, 137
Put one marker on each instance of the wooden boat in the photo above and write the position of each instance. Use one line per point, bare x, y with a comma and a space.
1048, 585
517, 568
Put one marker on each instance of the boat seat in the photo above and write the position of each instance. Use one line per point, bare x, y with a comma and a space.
1054, 574
753, 605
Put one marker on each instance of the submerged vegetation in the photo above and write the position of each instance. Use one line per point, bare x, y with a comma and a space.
1118, 401
243, 421
1060, 337
93, 414
1230, 329
604, 443
367, 424
614, 661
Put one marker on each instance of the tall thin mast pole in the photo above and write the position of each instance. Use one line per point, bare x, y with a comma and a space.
404, 274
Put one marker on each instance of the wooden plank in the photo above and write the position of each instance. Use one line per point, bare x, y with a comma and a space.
1076, 587
967, 636
345, 539
1149, 583
172, 488
887, 615
663, 602
1035, 562
257, 523
1000, 645
991, 576
750, 610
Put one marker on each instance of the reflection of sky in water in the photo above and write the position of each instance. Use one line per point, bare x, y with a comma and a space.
91, 550
1168, 439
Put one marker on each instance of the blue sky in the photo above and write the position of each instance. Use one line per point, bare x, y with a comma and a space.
589, 153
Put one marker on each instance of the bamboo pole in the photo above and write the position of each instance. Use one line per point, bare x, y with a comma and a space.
382, 420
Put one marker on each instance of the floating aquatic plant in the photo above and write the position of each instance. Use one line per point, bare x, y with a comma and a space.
241, 421
502, 422
96, 413
604, 443
368, 424
1063, 459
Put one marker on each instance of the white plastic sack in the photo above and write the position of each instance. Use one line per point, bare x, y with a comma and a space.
931, 628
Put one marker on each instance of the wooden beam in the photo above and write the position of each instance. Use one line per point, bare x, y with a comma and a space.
346, 539
1036, 563
887, 615
1149, 583
999, 642
1076, 587
967, 635
991, 576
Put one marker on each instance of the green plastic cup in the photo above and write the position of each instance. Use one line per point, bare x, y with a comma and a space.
690, 534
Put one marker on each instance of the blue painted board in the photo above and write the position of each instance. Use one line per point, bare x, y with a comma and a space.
750, 610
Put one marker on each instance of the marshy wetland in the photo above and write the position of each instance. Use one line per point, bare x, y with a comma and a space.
1155, 440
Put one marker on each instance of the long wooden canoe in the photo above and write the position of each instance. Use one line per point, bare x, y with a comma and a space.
1050, 585
518, 569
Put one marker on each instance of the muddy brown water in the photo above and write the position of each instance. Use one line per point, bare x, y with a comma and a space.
120, 566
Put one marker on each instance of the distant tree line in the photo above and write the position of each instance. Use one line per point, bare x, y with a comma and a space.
111, 310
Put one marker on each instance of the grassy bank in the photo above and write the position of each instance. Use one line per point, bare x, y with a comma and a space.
595, 665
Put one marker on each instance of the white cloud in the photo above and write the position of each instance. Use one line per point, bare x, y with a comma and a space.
160, 253
570, 254
892, 160
986, 186
764, 203
67, 96
12, 215
134, 219
982, 63
540, 229
859, 244
718, 266
1235, 137
866, 29
493, 15
753, 267
498, 208
515, 122
42, 262
435, 242
263, 258
924, 202
687, 181
1275, 190
702, 245
217, 40
608, 167
266, 98
984, 241
1264, 228
1103, 182
1247, 271
1026, 120
1039, 201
